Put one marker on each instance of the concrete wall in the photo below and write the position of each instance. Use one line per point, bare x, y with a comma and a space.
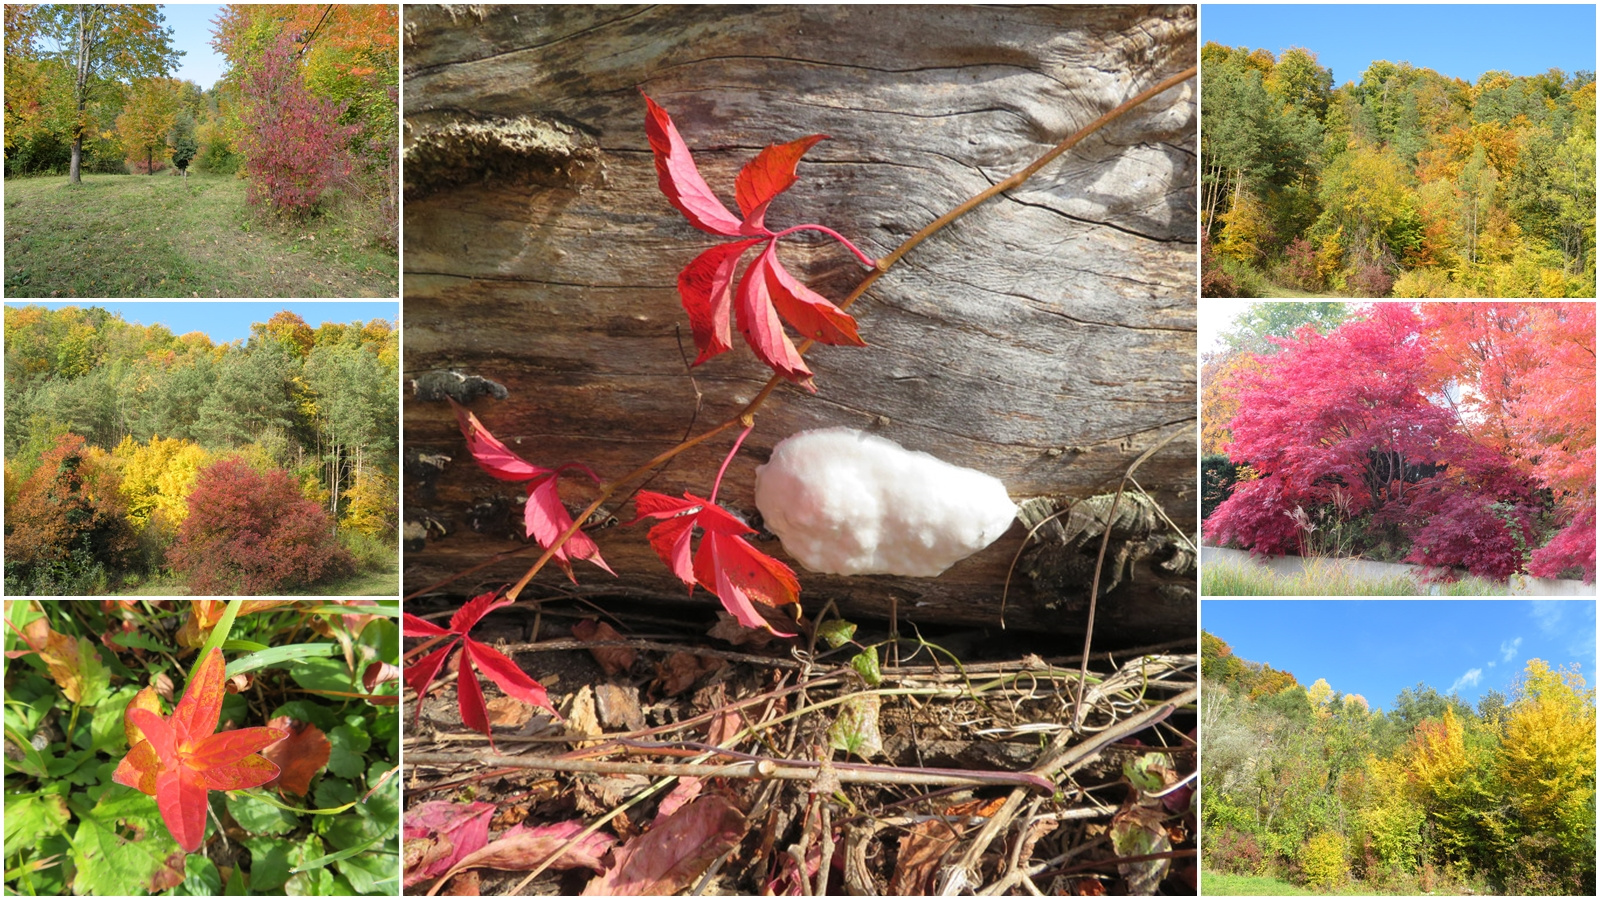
1293, 566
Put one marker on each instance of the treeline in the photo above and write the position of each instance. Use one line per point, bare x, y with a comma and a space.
1407, 183
1430, 796
308, 103
113, 429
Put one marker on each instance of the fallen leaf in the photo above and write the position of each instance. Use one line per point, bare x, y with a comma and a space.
922, 851
299, 756
378, 673
686, 790
612, 659
670, 857
438, 833
583, 723
618, 706
524, 848
728, 629
678, 672
509, 712
464, 885
170, 875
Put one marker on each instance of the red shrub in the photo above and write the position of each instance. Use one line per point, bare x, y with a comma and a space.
1254, 517
1463, 528
294, 147
249, 533
1572, 547
1300, 265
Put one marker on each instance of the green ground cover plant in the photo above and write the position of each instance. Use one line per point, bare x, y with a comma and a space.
324, 819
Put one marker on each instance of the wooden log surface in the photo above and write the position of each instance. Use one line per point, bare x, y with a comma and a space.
1048, 338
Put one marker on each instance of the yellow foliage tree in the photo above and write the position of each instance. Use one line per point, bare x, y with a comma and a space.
1547, 758
1390, 813
371, 506
158, 477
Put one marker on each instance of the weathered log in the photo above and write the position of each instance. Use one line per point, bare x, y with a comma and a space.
1047, 338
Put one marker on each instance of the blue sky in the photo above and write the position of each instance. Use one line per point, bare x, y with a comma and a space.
191, 33
1376, 648
1459, 40
225, 321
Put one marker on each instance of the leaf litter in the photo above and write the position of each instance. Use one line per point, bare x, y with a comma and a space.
741, 768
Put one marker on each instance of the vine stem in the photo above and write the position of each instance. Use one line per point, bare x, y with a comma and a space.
746, 416
866, 260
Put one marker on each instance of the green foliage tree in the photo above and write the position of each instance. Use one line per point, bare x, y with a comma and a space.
102, 44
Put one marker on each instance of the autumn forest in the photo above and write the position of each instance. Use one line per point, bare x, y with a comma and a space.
137, 460
1404, 183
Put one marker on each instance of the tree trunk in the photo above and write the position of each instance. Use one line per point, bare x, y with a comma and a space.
1048, 338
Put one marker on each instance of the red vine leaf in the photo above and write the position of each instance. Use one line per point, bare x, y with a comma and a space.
767, 295
544, 516
725, 564
680, 178
475, 656
765, 177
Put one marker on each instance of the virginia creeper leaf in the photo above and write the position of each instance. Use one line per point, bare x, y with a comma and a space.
768, 175
725, 564
680, 179
706, 287
475, 655
763, 331
811, 314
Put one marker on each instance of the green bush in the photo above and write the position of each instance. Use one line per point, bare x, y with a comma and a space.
1217, 477
371, 553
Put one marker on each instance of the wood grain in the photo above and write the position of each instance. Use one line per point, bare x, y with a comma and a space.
1048, 338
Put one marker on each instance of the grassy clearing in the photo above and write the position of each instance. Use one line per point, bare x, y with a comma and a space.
377, 580
1321, 579
1216, 884
159, 236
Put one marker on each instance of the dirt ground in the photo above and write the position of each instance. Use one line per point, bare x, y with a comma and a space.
736, 763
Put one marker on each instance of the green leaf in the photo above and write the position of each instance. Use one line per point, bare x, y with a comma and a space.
237, 645
1138, 772
105, 726
258, 817
318, 882
383, 637
324, 675
33, 762
275, 657
345, 759
201, 878
866, 665
32, 819
331, 792
373, 873
269, 863
307, 711
236, 886
141, 641
836, 632
855, 730
106, 860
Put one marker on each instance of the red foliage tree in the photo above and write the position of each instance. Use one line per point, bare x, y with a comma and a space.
295, 149
252, 533
1355, 421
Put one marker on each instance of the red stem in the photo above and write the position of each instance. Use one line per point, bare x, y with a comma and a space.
866, 260
717, 485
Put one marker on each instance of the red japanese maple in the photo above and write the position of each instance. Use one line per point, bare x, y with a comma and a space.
179, 759
725, 564
545, 517
767, 294
475, 656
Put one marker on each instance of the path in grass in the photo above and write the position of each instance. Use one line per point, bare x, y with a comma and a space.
159, 236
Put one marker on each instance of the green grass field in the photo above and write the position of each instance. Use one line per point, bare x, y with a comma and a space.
1216, 884
160, 236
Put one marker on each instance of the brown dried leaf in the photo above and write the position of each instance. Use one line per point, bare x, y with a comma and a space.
170, 875
509, 712
583, 722
464, 885
378, 673
611, 659
671, 856
921, 853
618, 706
729, 629
299, 756
678, 672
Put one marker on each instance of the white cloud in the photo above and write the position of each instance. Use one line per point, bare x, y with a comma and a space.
1508, 650
1470, 679
1548, 614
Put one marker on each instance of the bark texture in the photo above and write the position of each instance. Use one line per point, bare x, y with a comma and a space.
1047, 338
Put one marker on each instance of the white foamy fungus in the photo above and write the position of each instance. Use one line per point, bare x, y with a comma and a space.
849, 503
